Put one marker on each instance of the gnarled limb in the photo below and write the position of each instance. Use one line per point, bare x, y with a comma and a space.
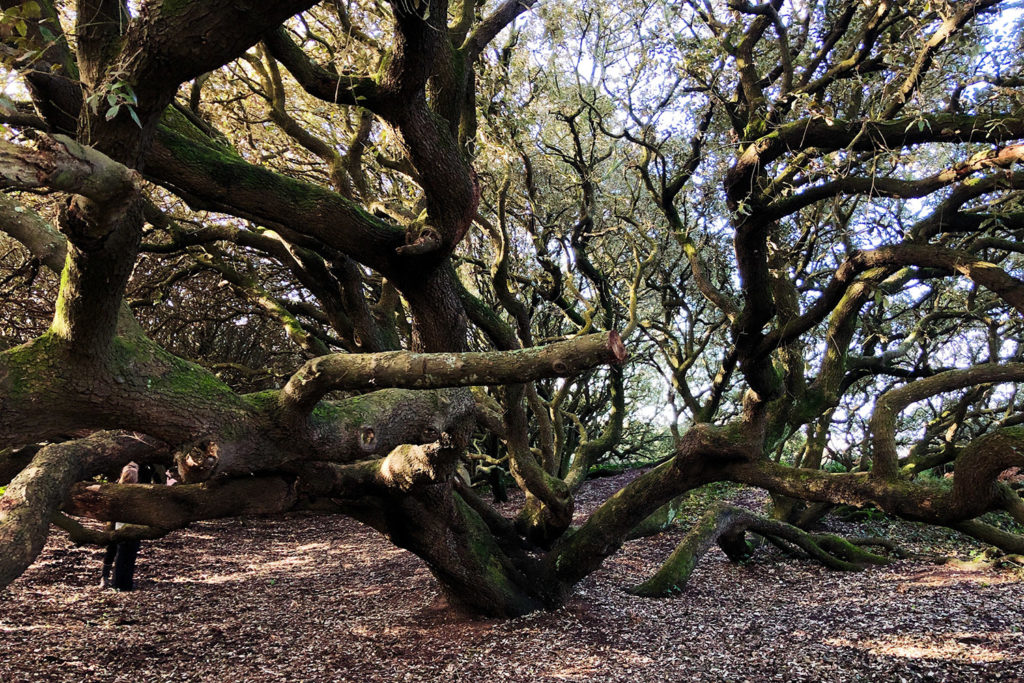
503, 15
477, 557
172, 507
37, 235
549, 503
659, 520
435, 370
727, 525
60, 163
83, 535
867, 135
889, 405
948, 260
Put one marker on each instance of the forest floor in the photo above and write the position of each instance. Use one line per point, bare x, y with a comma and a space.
315, 598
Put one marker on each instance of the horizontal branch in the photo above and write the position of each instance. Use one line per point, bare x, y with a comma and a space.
438, 370
83, 535
172, 507
899, 188
60, 163
867, 136
1006, 541
212, 179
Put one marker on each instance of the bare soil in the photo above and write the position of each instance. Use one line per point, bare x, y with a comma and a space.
314, 598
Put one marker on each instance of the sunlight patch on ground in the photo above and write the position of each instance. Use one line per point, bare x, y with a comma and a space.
950, 575
310, 547
960, 646
286, 563
234, 577
583, 669
32, 627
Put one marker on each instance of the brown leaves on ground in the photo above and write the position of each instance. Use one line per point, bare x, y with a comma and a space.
310, 598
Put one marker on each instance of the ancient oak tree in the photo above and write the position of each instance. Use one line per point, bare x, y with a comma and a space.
344, 256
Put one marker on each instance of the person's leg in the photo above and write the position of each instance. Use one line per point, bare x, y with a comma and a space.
108, 563
124, 565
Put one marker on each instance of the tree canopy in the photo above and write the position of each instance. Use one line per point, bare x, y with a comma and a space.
353, 256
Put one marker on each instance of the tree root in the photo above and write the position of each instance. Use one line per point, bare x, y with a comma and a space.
727, 526
987, 533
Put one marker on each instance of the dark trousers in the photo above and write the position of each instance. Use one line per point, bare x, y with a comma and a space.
121, 557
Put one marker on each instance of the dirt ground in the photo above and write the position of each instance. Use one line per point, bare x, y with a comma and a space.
310, 598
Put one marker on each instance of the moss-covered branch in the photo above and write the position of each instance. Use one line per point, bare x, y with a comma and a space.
889, 405
435, 370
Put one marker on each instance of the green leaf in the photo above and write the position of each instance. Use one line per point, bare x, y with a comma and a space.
31, 10
135, 117
111, 99
112, 112
21, 27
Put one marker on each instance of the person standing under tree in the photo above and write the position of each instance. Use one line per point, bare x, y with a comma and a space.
120, 555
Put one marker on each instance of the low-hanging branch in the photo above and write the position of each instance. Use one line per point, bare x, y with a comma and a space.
172, 507
404, 369
727, 525
83, 535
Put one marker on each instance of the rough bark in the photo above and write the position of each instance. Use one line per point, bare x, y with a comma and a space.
436, 370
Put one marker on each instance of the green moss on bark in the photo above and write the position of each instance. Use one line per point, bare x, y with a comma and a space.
29, 366
165, 373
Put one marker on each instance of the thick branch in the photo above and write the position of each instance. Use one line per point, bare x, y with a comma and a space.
485, 32
339, 88
866, 136
212, 179
727, 526
172, 507
60, 163
891, 403
986, 274
37, 235
993, 535
173, 42
436, 370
